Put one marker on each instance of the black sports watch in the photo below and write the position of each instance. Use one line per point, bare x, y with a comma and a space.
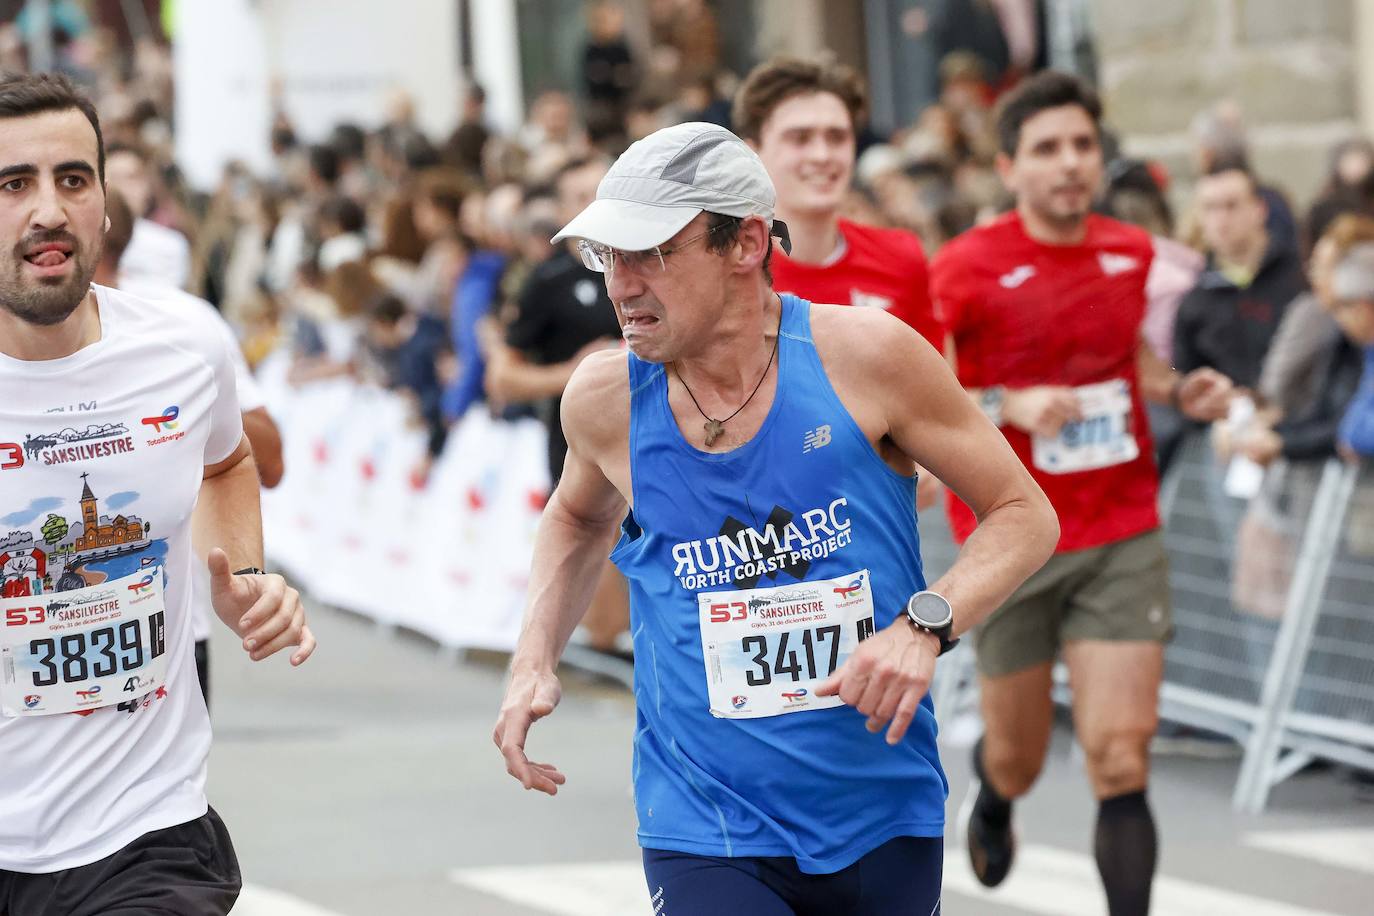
931, 612
249, 571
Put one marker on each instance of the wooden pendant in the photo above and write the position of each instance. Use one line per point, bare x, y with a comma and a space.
714, 430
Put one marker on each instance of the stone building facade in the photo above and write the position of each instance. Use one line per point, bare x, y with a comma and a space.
1291, 66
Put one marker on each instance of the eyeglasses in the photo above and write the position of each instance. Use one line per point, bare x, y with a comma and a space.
603, 258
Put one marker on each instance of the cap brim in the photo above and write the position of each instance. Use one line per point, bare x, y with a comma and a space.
627, 225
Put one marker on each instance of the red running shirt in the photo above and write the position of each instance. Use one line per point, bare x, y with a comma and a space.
885, 268
1023, 313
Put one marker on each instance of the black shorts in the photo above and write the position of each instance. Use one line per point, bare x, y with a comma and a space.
902, 877
187, 870
203, 668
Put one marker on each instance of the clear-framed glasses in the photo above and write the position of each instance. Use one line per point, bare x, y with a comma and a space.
604, 259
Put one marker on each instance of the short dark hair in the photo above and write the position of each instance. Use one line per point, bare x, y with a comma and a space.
1234, 162
775, 81
137, 150
348, 140
121, 229
22, 95
1046, 90
444, 188
324, 162
344, 212
387, 309
724, 232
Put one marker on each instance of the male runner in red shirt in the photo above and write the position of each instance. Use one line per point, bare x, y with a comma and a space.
1044, 308
800, 117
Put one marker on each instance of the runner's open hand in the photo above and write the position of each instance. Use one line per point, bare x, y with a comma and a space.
887, 677
264, 611
531, 696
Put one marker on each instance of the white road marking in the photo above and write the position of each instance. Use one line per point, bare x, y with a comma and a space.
1348, 847
1048, 881
262, 901
1060, 883
584, 889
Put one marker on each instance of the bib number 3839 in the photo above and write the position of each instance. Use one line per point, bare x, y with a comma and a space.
83, 649
767, 649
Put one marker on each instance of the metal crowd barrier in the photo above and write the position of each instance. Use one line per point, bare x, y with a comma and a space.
1273, 602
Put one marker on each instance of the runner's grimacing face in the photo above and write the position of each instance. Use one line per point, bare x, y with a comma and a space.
1057, 169
52, 215
666, 315
807, 145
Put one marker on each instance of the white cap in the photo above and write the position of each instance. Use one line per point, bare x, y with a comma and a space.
662, 182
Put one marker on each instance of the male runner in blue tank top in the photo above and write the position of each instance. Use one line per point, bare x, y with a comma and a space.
764, 448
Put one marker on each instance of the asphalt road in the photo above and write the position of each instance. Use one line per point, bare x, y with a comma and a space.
366, 783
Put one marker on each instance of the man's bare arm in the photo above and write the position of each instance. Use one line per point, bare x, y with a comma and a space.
228, 513
570, 548
932, 420
265, 438
1203, 394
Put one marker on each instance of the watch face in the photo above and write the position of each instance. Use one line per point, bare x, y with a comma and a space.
929, 609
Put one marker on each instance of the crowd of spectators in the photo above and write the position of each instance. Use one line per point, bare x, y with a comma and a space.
423, 264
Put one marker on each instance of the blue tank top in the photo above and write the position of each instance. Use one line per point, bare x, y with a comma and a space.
814, 784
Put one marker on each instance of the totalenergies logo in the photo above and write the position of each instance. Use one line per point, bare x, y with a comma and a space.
88, 694
142, 586
847, 591
166, 422
794, 696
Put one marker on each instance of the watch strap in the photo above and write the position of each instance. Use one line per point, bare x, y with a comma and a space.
249, 571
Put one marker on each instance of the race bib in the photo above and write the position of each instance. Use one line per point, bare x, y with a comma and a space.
1104, 437
83, 649
767, 649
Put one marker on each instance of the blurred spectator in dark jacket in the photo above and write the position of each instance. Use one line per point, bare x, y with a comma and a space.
465, 145
1228, 319
1219, 137
608, 70
407, 347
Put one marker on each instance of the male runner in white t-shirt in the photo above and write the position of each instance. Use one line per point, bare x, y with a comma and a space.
117, 418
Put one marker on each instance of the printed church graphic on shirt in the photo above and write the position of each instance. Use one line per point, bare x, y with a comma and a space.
75, 550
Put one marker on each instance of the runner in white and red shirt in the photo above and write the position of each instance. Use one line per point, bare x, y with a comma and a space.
117, 418
1044, 309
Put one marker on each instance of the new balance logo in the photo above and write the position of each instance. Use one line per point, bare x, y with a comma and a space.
816, 438
1113, 264
1016, 277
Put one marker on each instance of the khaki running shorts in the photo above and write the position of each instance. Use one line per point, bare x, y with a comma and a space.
1115, 592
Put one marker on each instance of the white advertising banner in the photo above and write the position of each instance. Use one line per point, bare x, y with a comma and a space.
354, 525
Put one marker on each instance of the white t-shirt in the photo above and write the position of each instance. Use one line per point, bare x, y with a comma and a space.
157, 254
115, 436
250, 398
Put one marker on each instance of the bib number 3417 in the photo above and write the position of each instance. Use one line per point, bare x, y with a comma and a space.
766, 650
797, 662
